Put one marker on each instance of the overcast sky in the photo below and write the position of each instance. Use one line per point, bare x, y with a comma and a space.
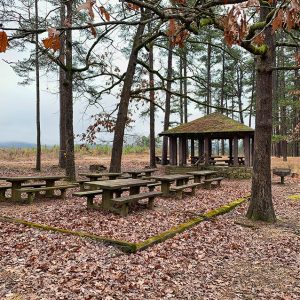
17, 121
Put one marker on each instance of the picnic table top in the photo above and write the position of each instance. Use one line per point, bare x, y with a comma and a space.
141, 171
203, 172
171, 177
25, 178
118, 183
99, 174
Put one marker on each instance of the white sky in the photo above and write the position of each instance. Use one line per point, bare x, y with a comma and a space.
17, 115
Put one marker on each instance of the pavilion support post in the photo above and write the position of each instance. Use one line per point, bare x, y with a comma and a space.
192, 147
230, 151
235, 151
173, 151
184, 150
247, 150
200, 147
206, 151
209, 147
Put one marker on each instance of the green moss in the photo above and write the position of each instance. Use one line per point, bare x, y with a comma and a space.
125, 246
215, 122
134, 247
294, 197
184, 226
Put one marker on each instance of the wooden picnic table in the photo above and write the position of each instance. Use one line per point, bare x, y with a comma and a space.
17, 181
204, 173
96, 176
166, 181
111, 187
135, 173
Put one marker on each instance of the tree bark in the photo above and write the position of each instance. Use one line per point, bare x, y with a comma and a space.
261, 205
164, 158
117, 148
68, 87
37, 75
62, 94
208, 93
152, 108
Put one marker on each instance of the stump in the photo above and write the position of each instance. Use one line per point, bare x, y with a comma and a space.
97, 168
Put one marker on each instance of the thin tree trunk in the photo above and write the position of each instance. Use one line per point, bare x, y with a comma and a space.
37, 75
152, 108
68, 84
164, 158
62, 94
252, 92
181, 90
240, 76
185, 85
117, 148
261, 205
208, 93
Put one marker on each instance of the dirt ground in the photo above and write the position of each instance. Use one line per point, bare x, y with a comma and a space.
227, 257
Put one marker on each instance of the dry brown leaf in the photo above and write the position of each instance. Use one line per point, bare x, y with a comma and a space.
3, 41
88, 5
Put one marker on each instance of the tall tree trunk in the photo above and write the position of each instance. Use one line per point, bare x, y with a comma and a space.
252, 92
283, 106
185, 85
181, 90
296, 119
261, 205
117, 148
164, 158
208, 92
222, 97
152, 108
62, 94
37, 75
68, 85
240, 76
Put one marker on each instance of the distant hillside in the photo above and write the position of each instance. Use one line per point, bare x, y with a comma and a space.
16, 145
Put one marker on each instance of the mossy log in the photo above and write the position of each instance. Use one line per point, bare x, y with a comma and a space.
124, 246
134, 247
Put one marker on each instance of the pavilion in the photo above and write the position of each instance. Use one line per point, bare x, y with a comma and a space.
203, 131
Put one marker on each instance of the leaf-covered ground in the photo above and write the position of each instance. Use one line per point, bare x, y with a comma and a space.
224, 258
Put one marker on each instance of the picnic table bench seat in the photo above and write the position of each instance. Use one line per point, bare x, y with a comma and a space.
153, 185
31, 191
4, 188
126, 200
180, 188
89, 194
208, 182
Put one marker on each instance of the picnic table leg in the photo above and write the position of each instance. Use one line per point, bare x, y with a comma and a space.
49, 183
134, 190
15, 195
197, 179
282, 179
150, 204
106, 197
165, 188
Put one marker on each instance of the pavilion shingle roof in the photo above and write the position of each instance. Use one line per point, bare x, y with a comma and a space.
213, 123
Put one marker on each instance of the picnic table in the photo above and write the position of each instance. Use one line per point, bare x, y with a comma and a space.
111, 187
16, 183
147, 172
96, 176
204, 173
166, 180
